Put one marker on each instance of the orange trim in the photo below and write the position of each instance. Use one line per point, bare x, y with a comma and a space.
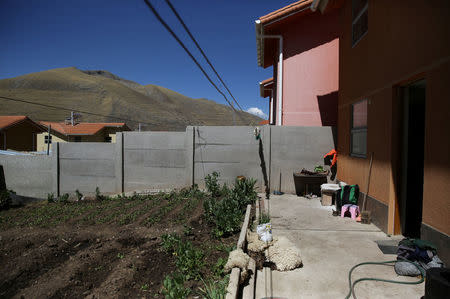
299, 5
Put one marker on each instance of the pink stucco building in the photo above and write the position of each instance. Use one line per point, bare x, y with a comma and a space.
309, 70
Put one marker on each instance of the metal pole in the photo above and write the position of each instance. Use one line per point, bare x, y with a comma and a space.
48, 139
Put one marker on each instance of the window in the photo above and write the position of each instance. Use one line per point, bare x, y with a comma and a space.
360, 19
358, 134
48, 139
108, 138
77, 139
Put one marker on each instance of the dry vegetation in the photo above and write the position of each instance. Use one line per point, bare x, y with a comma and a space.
104, 93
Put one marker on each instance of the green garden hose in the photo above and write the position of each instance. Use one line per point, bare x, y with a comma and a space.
352, 285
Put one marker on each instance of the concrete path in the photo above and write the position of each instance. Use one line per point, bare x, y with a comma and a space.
329, 246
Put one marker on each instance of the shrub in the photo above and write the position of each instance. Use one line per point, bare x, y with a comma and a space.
173, 286
244, 190
212, 184
227, 216
5, 199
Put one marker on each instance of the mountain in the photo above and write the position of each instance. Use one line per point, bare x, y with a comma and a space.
103, 93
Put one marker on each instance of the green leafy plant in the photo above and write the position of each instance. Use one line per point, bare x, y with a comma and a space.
120, 255
145, 287
214, 289
173, 286
50, 197
218, 267
212, 184
64, 198
264, 218
189, 259
99, 196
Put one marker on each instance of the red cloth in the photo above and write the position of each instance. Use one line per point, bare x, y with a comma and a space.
333, 153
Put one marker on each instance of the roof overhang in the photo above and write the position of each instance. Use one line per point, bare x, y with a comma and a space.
266, 88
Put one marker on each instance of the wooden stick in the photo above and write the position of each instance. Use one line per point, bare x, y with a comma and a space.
368, 181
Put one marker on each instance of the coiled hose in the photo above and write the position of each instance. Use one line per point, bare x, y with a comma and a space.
387, 263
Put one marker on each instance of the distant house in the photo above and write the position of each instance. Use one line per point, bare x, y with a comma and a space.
79, 132
303, 47
18, 132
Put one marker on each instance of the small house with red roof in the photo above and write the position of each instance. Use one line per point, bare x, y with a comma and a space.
302, 45
78, 132
19, 133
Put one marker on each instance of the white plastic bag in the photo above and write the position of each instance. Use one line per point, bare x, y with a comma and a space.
264, 232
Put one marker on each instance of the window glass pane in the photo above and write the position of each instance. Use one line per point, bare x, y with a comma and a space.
360, 114
359, 142
360, 27
357, 6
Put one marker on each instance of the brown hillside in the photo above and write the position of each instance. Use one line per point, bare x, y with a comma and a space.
104, 93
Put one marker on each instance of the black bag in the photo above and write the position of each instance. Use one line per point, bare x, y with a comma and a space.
349, 194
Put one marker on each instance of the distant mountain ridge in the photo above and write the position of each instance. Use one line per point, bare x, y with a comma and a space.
102, 92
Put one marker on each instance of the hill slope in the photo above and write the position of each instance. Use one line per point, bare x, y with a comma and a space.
104, 93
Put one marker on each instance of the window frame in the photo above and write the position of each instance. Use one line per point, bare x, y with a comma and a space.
47, 139
358, 129
355, 20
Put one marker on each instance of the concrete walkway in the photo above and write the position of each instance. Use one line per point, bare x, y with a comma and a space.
329, 246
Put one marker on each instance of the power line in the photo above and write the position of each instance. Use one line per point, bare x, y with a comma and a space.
201, 50
150, 6
75, 110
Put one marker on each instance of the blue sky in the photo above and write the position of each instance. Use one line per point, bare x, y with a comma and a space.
124, 38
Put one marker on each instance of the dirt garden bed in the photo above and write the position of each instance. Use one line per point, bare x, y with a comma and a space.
124, 247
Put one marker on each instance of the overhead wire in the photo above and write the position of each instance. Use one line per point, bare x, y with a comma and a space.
74, 110
165, 25
201, 50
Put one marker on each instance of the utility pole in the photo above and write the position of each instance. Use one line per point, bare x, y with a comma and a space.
48, 139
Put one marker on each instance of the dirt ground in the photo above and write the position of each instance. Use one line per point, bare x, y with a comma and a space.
97, 249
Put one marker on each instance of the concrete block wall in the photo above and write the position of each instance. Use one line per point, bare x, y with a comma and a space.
231, 151
31, 176
154, 160
86, 166
294, 148
162, 160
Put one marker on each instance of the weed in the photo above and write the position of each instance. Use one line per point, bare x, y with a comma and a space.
264, 218
120, 255
63, 198
50, 197
173, 286
214, 289
187, 230
99, 196
218, 267
145, 287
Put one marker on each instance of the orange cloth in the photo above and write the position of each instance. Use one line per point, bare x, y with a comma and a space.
333, 153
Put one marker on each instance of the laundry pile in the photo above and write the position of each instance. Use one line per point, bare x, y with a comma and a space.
419, 252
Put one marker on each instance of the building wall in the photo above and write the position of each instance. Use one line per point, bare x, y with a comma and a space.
404, 43
310, 70
20, 137
57, 137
